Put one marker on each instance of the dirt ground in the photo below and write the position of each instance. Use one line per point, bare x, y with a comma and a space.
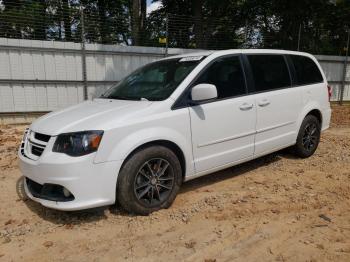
276, 208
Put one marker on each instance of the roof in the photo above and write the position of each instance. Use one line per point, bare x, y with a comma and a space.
238, 51
199, 53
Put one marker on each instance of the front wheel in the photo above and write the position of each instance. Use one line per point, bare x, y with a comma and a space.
308, 137
149, 180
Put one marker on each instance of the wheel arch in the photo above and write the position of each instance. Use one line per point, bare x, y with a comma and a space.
316, 113
300, 149
166, 143
311, 109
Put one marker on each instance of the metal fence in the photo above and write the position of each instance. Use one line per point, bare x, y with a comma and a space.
88, 22
41, 76
55, 55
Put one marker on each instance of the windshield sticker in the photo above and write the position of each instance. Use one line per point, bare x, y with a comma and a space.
191, 58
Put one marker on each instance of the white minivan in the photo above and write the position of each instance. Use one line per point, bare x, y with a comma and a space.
171, 121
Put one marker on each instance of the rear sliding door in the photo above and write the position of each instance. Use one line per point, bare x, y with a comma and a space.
277, 103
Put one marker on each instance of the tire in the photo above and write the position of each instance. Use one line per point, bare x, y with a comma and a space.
308, 137
149, 180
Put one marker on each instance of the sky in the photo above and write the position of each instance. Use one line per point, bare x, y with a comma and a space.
152, 6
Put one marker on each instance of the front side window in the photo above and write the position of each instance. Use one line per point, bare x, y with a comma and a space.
227, 75
306, 70
269, 72
155, 81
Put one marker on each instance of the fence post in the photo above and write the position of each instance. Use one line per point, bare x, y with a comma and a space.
299, 35
344, 69
83, 54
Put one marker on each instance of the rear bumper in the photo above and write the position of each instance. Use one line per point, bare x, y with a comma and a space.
326, 118
92, 185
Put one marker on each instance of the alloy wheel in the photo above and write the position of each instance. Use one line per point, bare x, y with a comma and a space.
154, 182
310, 137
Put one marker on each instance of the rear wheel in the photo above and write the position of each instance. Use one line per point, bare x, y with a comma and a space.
149, 180
308, 137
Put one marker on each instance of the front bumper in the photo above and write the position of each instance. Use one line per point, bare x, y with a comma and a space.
92, 185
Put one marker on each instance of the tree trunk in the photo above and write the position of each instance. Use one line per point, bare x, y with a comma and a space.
135, 21
198, 23
40, 23
66, 20
143, 14
101, 4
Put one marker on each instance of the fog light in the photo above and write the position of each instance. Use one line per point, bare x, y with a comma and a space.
66, 192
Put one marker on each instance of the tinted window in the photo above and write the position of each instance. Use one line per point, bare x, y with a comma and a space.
227, 75
306, 70
269, 72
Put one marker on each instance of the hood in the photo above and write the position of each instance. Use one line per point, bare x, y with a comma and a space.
90, 115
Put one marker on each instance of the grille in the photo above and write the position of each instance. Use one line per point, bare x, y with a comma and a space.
42, 137
37, 150
34, 144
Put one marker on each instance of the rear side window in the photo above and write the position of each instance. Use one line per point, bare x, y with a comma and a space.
269, 72
306, 70
227, 75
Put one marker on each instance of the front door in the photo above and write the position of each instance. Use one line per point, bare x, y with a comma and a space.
223, 130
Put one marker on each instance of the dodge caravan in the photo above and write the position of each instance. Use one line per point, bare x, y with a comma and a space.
171, 121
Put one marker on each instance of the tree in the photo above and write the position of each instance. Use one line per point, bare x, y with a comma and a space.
203, 23
102, 19
66, 20
138, 20
206, 24
198, 23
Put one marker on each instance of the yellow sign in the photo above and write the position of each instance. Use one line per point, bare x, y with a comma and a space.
162, 40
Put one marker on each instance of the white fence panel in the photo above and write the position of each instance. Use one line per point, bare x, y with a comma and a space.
41, 76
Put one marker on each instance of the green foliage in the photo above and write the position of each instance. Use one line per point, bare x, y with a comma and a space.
322, 24
206, 24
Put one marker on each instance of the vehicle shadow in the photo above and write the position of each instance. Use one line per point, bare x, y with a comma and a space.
96, 214
231, 172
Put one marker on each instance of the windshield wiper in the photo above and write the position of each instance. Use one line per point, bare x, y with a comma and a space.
124, 98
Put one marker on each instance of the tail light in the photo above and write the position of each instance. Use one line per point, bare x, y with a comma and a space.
329, 92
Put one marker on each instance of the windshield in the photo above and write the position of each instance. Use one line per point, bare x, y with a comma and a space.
155, 81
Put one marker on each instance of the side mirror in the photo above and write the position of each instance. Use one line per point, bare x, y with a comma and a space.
203, 92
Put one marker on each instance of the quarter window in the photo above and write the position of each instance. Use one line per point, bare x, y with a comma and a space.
269, 72
227, 75
306, 70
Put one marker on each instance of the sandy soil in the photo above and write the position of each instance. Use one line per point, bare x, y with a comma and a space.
276, 208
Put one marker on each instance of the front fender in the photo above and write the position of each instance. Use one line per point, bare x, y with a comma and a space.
120, 149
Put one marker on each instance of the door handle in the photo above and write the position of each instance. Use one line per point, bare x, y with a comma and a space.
246, 106
264, 102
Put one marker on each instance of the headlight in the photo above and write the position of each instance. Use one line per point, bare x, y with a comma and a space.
79, 143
